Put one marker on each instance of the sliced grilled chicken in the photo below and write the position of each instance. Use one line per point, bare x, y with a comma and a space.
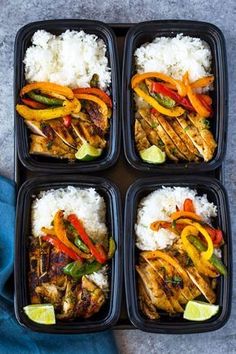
145, 303
206, 134
195, 137
88, 132
35, 127
155, 292
42, 146
140, 137
202, 284
179, 130
63, 132
175, 138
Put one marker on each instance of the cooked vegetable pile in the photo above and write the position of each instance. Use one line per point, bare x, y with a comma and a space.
63, 268
173, 117
169, 279
65, 123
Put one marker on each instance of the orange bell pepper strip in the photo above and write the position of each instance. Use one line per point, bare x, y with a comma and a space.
193, 98
49, 113
137, 78
60, 231
188, 205
48, 87
203, 82
185, 214
96, 251
97, 92
97, 100
171, 112
206, 98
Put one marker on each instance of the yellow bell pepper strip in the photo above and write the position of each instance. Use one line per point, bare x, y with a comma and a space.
195, 101
136, 79
103, 107
171, 112
49, 113
208, 253
60, 231
200, 263
48, 231
149, 255
48, 87
185, 214
203, 82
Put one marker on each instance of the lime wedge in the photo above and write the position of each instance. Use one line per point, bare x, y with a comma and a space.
87, 152
199, 311
153, 155
41, 313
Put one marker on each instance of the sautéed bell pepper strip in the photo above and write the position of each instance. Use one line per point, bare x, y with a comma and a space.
201, 263
45, 100
61, 247
209, 251
49, 113
216, 235
97, 92
67, 120
48, 87
103, 107
185, 214
188, 205
203, 82
30, 103
100, 256
194, 100
172, 226
60, 231
171, 112
76, 270
162, 89
206, 98
214, 260
136, 79
206, 105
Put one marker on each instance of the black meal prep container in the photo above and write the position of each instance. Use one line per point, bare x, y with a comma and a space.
53, 165
146, 32
176, 324
109, 313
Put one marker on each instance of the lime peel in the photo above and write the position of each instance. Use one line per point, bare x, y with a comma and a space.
153, 154
88, 152
41, 313
200, 311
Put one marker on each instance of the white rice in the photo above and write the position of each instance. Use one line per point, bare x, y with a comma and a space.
100, 278
158, 206
87, 204
175, 56
70, 59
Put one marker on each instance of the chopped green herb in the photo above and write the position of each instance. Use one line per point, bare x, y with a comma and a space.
160, 143
207, 123
49, 145
173, 225
187, 128
154, 125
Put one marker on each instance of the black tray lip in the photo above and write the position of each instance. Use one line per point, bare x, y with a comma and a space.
115, 130
112, 192
180, 168
133, 313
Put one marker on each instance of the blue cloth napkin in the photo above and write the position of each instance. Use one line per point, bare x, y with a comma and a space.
13, 337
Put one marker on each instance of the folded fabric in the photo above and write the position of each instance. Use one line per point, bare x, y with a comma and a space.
13, 337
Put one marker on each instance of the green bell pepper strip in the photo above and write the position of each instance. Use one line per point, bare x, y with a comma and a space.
77, 269
81, 245
214, 260
163, 100
112, 248
45, 100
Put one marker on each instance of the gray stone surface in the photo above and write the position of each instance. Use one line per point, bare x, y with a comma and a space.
15, 14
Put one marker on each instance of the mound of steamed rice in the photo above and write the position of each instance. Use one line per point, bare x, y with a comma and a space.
87, 204
175, 56
158, 206
70, 59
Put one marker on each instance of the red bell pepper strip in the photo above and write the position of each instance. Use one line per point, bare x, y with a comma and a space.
96, 252
204, 102
216, 235
97, 92
32, 104
61, 247
188, 205
67, 121
162, 89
